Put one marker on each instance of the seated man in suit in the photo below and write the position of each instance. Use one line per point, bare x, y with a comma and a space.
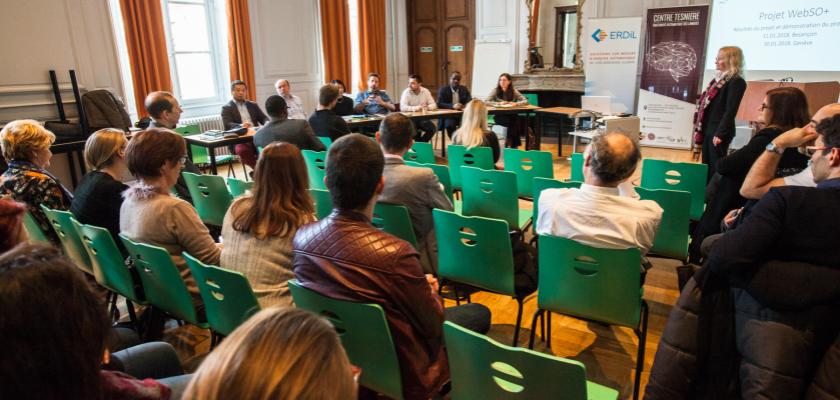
597, 214
416, 188
373, 100
165, 112
241, 113
345, 258
416, 98
324, 121
453, 97
282, 129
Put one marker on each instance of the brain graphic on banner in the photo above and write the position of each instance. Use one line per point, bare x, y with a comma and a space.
675, 57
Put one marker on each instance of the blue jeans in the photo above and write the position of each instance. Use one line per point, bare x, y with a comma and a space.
473, 316
178, 384
155, 360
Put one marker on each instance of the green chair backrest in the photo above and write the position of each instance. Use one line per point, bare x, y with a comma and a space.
323, 202
211, 197
691, 178
541, 184
36, 234
672, 237
478, 157
442, 172
394, 220
199, 154
577, 167
365, 337
326, 141
238, 187
421, 153
70, 240
228, 298
528, 165
483, 258
162, 282
588, 282
482, 368
108, 263
490, 194
315, 168
533, 99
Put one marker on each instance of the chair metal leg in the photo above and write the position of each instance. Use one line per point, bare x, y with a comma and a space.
131, 314
518, 323
469, 299
212, 339
640, 355
542, 327
244, 172
457, 296
548, 329
537, 314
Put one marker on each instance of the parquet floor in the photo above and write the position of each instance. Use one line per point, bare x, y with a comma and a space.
609, 353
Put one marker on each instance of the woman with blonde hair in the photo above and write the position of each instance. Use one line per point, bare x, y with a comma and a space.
279, 353
259, 227
98, 197
26, 148
714, 121
473, 131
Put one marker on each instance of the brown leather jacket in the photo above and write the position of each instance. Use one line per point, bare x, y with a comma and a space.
344, 257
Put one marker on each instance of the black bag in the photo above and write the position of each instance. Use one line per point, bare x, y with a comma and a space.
525, 267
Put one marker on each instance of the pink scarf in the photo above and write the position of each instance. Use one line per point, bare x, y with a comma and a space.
705, 99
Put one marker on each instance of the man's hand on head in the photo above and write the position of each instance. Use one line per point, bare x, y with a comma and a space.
433, 283
795, 137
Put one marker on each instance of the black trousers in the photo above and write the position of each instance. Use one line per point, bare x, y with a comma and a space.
712, 153
511, 122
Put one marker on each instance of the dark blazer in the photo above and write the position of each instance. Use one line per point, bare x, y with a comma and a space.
719, 116
232, 119
97, 202
344, 107
444, 99
294, 131
325, 123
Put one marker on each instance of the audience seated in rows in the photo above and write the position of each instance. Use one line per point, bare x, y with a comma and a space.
279, 353
57, 331
373, 100
294, 104
12, 230
282, 129
151, 215
453, 96
324, 121
415, 188
597, 214
259, 226
344, 104
416, 98
474, 132
345, 258
243, 113
26, 148
165, 112
98, 196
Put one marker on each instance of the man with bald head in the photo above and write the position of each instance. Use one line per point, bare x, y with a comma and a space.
296, 110
596, 214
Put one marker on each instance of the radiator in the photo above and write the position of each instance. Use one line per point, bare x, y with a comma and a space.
206, 123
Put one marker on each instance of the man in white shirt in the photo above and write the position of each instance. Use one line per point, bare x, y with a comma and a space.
296, 110
417, 99
596, 214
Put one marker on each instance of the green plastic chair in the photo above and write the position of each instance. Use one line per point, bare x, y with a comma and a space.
238, 187
541, 184
673, 236
365, 337
478, 157
577, 167
315, 168
422, 153
442, 172
484, 369
211, 197
533, 100
228, 298
528, 165
165, 288
323, 203
326, 141
109, 265
691, 179
36, 234
492, 194
199, 154
594, 284
70, 240
394, 220
483, 259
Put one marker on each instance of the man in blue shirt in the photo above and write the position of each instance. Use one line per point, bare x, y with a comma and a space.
372, 100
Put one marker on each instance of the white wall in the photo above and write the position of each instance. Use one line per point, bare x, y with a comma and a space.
501, 19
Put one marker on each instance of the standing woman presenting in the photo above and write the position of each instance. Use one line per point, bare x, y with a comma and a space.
505, 94
714, 123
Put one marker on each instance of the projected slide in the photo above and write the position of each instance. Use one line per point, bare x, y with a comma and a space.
778, 35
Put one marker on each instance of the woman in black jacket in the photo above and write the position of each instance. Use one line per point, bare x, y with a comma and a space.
714, 122
783, 109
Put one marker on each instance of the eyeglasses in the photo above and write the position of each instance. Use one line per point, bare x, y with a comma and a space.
764, 107
719, 59
811, 150
357, 372
184, 159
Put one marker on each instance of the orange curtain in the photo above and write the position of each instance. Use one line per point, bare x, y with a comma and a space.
535, 22
335, 34
147, 53
239, 45
371, 41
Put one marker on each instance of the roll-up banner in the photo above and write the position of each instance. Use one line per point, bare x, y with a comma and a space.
674, 48
612, 60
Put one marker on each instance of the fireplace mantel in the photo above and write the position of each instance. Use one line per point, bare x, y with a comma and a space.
574, 82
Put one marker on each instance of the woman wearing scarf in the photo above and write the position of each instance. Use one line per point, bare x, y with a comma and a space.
714, 122
26, 147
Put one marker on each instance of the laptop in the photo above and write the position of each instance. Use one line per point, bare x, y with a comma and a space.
599, 104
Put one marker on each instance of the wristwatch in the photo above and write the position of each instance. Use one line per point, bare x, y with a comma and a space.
776, 149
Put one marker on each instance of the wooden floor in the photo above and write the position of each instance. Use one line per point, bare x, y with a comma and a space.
609, 353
